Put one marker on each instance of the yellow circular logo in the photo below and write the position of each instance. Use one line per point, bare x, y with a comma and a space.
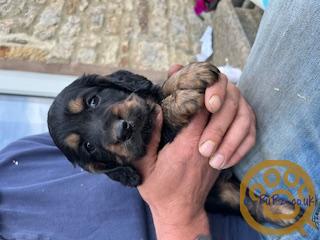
274, 173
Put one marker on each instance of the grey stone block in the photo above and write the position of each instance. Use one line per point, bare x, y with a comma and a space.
230, 40
250, 20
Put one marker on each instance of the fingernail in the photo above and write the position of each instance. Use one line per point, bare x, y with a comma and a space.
215, 103
217, 161
206, 148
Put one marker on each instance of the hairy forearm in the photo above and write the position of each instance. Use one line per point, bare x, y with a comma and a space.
181, 226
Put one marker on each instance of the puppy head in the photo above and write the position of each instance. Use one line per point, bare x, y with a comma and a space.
104, 123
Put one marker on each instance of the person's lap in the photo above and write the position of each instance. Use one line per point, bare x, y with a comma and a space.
281, 82
44, 197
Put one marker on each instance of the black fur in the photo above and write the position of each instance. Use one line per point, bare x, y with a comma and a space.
113, 88
96, 125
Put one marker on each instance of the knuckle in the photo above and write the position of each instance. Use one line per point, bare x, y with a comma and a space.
254, 118
217, 133
245, 123
235, 91
228, 150
223, 78
233, 106
233, 101
235, 158
251, 140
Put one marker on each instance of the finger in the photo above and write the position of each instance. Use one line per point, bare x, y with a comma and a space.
174, 68
219, 123
244, 148
235, 135
214, 96
146, 164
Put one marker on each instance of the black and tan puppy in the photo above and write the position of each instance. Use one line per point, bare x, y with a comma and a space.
104, 124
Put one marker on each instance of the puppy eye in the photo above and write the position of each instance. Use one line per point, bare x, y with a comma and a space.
89, 147
93, 101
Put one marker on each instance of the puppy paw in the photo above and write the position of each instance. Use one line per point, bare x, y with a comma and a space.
184, 92
196, 76
284, 214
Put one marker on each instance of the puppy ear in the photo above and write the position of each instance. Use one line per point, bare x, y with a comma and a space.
123, 80
126, 175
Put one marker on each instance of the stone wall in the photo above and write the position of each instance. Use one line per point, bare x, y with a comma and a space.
137, 34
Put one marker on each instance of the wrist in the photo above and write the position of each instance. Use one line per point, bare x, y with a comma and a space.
180, 224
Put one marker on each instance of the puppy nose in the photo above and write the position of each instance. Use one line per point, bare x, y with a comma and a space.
123, 130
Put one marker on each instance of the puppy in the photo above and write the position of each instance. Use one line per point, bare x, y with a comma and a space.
104, 124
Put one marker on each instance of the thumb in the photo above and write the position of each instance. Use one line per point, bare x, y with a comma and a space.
146, 164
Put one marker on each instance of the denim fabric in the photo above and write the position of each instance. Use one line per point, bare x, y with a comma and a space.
42, 197
281, 80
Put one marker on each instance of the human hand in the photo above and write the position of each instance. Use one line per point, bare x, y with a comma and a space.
176, 182
231, 131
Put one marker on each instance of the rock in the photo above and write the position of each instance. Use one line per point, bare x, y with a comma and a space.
23, 53
29, 16
49, 21
11, 7
230, 41
71, 28
86, 55
97, 17
6, 26
142, 14
114, 15
89, 40
140, 34
83, 5
151, 55
109, 55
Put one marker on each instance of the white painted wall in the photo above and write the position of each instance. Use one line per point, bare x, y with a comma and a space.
33, 84
25, 98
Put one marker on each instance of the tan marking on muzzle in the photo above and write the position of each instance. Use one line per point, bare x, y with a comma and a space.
95, 167
118, 149
89, 167
72, 141
124, 108
76, 105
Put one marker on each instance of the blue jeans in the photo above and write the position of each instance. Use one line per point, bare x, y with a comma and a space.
281, 82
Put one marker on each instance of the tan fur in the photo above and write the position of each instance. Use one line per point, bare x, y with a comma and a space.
184, 92
230, 194
118, 149
285, 209
193, 76
72, 141
76, 105
89, 167
95, 167
179, 107
123, 108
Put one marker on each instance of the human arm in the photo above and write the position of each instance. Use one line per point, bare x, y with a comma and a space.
176, 181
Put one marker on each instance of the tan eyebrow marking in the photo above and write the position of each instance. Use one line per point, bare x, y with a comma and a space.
72, 141
76, 105
118, 149
95, 167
